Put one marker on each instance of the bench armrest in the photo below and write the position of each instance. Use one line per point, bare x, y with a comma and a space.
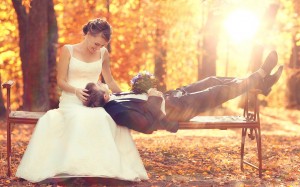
8, 86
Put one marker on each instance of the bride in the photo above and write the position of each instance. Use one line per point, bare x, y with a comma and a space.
74, 140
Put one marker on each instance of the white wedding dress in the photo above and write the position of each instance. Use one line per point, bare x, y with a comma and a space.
77, 141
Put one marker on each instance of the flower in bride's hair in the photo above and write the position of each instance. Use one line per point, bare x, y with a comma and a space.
142, 82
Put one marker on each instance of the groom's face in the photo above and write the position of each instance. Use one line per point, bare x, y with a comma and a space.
103, 87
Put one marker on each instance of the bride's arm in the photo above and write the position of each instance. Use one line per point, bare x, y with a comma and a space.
62, 72
109, 80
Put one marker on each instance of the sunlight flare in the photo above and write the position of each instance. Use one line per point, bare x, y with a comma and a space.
241, 25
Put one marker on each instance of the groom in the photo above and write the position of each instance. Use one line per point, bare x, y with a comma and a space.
146, 115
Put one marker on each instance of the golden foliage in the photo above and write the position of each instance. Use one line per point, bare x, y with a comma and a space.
10, 64
133, 42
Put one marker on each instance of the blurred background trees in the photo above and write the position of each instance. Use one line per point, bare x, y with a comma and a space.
180, 41
37, 28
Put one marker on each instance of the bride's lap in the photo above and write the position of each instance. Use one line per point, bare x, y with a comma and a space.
81, 116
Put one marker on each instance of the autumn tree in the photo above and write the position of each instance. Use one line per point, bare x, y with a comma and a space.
38, 38
210, 42
172, 27
160, 42
2, 107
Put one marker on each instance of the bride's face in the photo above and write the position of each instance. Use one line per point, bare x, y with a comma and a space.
95, 43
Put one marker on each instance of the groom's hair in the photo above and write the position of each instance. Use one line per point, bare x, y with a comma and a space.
95, 98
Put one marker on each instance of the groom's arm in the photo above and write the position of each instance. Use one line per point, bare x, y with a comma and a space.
153, 106
140, 116
154, 102
136, 121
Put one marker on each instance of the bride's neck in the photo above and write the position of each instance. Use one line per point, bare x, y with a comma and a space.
83, 47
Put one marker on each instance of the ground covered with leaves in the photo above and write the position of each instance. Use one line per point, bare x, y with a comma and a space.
194, 157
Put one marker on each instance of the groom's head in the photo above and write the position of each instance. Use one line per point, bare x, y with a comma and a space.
98, 94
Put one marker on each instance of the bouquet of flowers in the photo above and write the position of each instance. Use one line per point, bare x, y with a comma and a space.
142, 82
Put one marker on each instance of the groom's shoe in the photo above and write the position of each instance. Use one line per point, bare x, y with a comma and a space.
269, 81
270, 62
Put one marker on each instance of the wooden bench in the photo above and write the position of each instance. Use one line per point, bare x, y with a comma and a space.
248, 121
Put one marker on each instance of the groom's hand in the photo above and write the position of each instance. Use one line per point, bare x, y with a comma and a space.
154, 92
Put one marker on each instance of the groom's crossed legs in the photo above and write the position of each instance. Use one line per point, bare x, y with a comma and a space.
207, 94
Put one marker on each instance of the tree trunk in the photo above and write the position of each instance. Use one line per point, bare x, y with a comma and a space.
256, 57
210, 43
293, 90
295, 55
52, 51
160, 61
38, 34
293, 81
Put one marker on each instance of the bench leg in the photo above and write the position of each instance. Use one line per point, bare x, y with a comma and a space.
8, 146
259, 153
244, 132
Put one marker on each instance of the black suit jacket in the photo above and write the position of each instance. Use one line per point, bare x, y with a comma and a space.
139, 115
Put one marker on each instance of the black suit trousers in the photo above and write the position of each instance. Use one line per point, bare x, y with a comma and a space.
204, 95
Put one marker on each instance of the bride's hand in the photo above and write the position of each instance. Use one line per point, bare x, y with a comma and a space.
81, 94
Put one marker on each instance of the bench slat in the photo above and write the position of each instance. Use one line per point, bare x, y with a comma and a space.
218, 122
25, 117
198, 122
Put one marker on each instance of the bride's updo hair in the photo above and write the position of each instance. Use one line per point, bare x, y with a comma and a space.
98, 26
